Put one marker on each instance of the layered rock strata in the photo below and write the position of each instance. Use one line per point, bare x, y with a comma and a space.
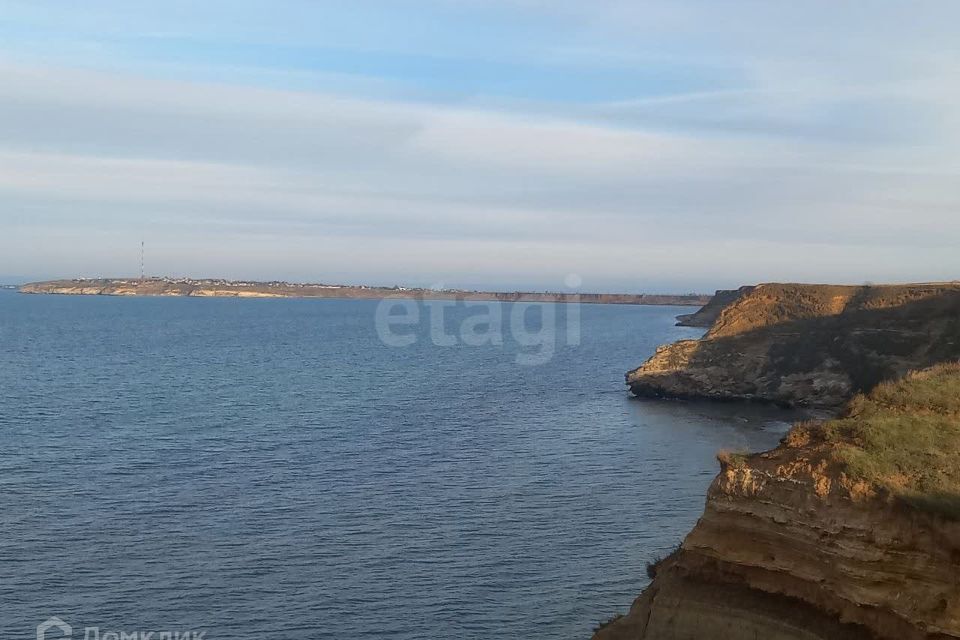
792, 548
808, 345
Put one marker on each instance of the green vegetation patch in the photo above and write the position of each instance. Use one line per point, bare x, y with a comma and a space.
905, 436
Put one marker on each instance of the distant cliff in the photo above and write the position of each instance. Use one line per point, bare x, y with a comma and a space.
848, 530
239, 289
707, 315
797, 344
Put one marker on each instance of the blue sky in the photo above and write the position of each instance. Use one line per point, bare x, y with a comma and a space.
505, 143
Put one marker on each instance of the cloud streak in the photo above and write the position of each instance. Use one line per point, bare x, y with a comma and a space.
781, 165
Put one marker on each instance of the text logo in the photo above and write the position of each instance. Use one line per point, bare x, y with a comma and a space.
53, 628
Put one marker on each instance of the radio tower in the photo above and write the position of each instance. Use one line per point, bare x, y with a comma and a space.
141, 261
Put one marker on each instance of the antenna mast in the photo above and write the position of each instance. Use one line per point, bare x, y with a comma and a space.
141, 260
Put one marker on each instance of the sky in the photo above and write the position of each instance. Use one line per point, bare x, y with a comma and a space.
658, 146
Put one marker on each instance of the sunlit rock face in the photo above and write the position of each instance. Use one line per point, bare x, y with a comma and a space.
791, 548
808, 345
708, 314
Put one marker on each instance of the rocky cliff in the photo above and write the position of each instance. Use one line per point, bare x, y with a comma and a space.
795, 344
708, 314
848, 530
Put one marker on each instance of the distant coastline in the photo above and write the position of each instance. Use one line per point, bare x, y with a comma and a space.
212, 287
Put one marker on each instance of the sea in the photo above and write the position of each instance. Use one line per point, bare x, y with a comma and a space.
282, 469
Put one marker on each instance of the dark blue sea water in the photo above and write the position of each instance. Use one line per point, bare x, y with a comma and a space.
271, 469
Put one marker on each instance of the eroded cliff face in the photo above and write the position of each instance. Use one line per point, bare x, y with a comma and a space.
808, 345
707, 315
791, 547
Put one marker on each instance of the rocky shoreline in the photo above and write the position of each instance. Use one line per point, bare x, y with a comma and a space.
850, 529
808, 345
804, 542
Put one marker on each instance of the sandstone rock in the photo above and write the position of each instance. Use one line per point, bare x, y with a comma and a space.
808, 344
709, 313
789, 548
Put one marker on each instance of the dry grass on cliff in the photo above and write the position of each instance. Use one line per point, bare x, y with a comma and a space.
905, 436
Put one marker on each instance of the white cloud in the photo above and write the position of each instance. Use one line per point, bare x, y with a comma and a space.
830, 158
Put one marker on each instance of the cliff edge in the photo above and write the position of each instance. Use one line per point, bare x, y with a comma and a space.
708, 314
850, 529
808, 345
